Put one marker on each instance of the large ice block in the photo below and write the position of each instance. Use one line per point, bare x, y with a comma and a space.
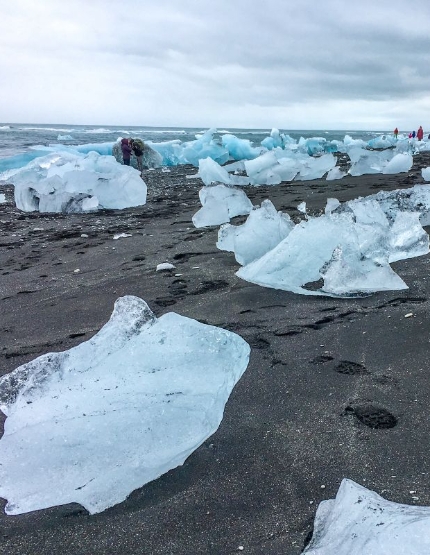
92, 424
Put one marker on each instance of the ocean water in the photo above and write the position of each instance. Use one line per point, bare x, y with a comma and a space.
20, 138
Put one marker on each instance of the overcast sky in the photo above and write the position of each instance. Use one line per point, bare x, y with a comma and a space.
291, 64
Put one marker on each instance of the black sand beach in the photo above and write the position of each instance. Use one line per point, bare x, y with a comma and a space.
321, 370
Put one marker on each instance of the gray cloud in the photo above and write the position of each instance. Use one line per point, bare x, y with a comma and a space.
224, 63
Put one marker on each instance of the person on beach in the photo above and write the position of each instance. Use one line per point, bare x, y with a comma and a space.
396, 132
420, 133
137, 145
126, 151
413, 135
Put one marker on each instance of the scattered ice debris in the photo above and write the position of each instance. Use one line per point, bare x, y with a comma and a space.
121, 235
360, 522
335, 173
64, 182
92, 424
262, 231
425, 172
165, 266
219, 204
302, 207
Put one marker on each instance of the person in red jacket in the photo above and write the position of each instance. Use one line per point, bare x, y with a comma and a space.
396, 132
420, 133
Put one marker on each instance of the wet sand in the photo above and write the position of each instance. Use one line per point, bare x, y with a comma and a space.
321, 370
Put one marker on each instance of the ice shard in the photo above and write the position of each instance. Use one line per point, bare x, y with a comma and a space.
262, 231
92, 424
219, 204
360, 522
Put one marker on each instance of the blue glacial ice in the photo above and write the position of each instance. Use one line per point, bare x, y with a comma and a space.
348, 250
92, 424
361, 522
262, 231
66, 182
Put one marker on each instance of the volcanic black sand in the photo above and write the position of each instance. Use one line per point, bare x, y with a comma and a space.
335, 387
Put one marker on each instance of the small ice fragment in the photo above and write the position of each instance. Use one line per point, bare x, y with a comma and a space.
84, 235
121, 235
165, 266
302, 207
76, 271
409, 315
360, 521
38, 229
2, 198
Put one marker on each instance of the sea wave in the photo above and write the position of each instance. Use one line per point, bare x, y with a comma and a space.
4, 127
100, 130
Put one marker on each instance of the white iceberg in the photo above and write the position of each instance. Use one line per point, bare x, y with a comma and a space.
262, 231
92, 424
65, 182
361, 522
219, 204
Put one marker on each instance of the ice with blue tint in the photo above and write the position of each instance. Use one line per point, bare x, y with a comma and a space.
400, 163
335, 173
262, 231
65, 182
92, 424
240, 149
278, 140
315, 168
347, 255
425, 172
211, 172
367, 161
414, 199
219, 204
384, 141
361, 522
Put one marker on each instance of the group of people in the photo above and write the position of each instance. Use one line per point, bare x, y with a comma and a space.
133, 146
419, 134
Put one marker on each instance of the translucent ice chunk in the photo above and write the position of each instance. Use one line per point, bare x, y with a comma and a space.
65, 182
360, 522
399, 163
92, 424
219, 204
263, 230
